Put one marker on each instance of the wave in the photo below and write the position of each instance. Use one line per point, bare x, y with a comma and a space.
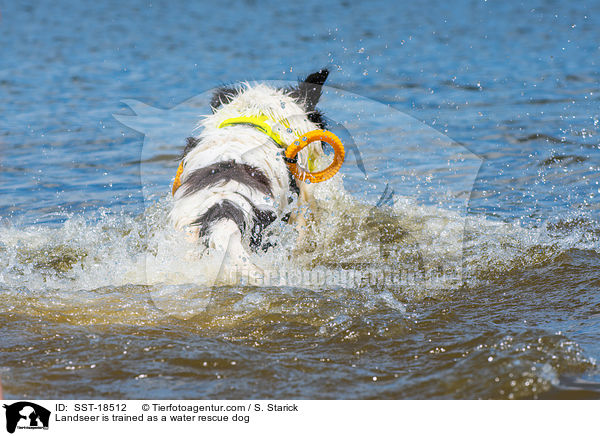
126, 266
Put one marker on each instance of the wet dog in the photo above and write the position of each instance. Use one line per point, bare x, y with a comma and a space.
233, 181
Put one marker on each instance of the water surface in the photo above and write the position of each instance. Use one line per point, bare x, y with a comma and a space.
99, 300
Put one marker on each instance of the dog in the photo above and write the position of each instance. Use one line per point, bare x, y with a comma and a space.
234, 180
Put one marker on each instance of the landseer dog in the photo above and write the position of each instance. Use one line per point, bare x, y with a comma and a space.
233, 181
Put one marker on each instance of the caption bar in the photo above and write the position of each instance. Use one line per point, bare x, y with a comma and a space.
160, 417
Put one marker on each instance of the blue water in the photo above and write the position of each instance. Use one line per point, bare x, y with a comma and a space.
489, 76
516, 85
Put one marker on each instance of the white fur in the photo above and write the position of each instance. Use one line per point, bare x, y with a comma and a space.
243, 144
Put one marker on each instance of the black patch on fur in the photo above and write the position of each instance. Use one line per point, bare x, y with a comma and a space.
262, 218
317, 117
223, 95
228, 210
224, 210
191, 142
222, 172
308, 90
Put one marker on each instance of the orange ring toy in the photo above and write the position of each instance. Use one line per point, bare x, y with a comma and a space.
177, 182
303, 141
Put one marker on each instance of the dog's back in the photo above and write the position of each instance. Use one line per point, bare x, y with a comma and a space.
234, 181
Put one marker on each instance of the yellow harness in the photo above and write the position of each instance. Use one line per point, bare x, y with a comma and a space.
265, 125
261, 123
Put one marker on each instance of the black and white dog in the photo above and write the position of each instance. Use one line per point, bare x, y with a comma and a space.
233, 180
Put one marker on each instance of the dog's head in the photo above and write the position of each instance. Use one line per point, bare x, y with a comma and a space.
292, 110
305, 95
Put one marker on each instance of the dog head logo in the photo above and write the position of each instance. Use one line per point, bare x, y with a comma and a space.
26, 415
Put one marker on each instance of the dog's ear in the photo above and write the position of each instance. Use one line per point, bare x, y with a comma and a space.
309, 89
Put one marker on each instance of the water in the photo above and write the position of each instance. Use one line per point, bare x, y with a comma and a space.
482, 118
